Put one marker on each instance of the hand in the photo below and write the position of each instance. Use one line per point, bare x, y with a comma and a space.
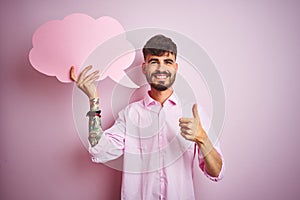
191, 128
86, 82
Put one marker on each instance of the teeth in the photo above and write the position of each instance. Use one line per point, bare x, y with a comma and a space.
161, 76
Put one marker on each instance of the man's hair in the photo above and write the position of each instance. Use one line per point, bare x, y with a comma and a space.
158, 45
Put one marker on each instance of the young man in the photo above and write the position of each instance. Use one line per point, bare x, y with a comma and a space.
157, 143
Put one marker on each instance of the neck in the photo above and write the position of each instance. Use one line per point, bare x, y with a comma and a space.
161, 96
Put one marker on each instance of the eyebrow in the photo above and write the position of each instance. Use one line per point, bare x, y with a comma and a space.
152, 59
165, 60
168, 60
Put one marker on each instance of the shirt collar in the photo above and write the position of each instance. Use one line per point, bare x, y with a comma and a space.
148, 100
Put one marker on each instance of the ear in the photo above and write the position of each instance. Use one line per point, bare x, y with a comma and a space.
176, 66
144, 68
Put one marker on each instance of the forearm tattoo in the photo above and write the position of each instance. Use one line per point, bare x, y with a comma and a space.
95, 127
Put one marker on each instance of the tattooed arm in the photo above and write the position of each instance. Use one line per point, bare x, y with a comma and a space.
95, 128
86, 84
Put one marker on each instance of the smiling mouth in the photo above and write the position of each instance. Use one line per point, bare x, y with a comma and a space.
161, 76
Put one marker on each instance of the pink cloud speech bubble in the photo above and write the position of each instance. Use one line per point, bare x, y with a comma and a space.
60, 44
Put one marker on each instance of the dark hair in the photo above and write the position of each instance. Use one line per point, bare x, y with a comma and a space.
159, 45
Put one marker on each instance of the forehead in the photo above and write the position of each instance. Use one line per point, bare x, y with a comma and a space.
166, 55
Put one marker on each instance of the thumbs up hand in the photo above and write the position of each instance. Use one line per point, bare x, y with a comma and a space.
191, 128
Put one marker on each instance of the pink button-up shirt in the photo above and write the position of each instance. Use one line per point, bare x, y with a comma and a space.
158, 162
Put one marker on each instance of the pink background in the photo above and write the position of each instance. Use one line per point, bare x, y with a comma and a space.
255, 46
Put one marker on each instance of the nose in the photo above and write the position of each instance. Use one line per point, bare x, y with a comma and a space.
161, 66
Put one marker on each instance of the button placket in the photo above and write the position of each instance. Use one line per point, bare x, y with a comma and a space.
162, 179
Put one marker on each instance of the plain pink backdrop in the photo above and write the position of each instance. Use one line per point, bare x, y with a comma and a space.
256, 48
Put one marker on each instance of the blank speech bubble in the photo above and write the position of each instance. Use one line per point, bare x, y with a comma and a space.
60, 44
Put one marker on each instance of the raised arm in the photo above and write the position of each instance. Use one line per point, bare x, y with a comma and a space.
86, 83
191, 129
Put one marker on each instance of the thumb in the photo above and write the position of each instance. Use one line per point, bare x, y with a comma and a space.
195, 111
72, 74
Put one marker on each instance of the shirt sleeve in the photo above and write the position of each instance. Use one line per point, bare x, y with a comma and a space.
111, 144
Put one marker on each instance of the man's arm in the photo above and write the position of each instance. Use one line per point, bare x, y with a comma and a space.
212, 159
191, 129
95, 128
86, 84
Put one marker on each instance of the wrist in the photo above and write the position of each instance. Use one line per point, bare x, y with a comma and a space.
94, 104
201, 137
94, 113
92, 94
205, 146
95, 96
203, 142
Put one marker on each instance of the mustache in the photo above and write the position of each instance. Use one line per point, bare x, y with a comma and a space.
161, 72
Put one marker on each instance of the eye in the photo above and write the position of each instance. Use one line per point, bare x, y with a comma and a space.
153, 62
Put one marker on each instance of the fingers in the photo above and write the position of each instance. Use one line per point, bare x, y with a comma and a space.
90, 78
185, 120
187, 128
83, 73
187, 123
188, 136
186, 131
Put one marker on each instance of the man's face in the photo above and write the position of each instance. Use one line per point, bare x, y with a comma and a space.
160, 71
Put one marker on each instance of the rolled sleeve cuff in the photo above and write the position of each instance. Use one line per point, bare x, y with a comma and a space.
218, 178
105, 150
202, 166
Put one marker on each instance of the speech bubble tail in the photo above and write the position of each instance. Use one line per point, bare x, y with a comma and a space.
126, 82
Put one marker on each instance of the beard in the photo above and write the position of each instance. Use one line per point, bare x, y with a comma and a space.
161, 85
